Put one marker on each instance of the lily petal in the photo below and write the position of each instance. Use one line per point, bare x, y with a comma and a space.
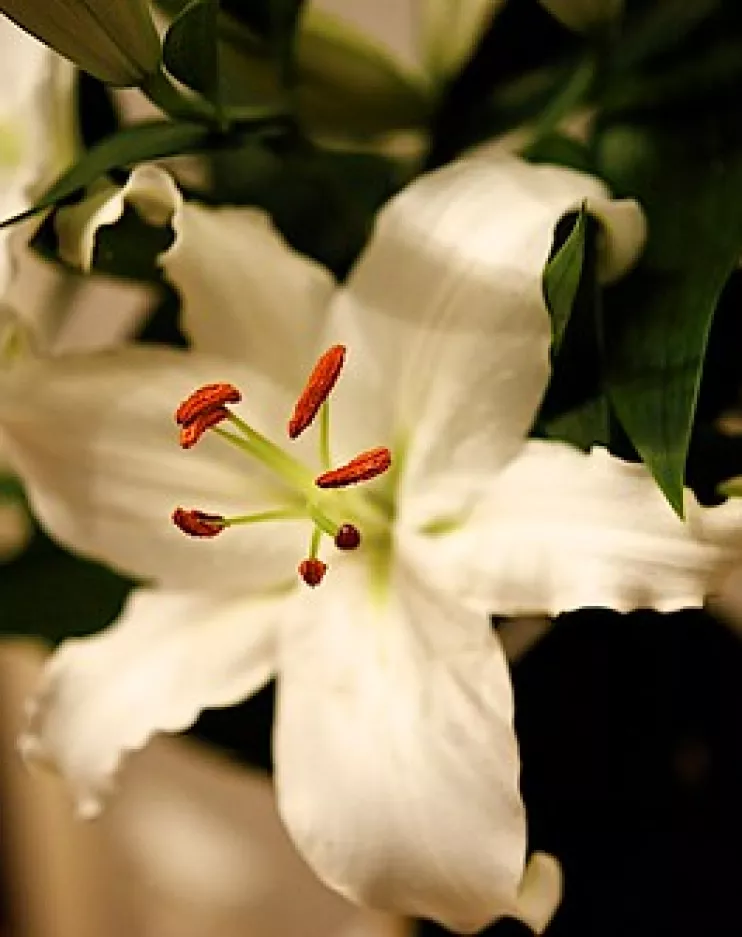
168, 656
448, 296
563, 530
396, 763
94, 440
450, 30
247, 295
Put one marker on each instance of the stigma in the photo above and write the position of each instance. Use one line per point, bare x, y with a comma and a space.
209, 409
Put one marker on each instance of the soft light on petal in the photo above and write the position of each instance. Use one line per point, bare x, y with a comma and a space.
169, 656
247, 295
450, 31
396, 763
444, 317
94, 439
563, 530
16, 529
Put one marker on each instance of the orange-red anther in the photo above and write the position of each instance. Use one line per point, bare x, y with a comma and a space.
348, 537
365, 466
204, 400
193, 430
198, 523
312, 571
318, 388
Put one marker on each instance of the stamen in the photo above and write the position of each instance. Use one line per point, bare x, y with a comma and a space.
318, 388
363, 467
348, 537
204, 400
198, 523
312, 571
193, 430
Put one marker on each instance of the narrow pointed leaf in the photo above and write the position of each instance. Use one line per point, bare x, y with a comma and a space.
134, 144
657, 320
562, 279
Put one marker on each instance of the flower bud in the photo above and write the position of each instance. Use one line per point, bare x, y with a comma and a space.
114, 41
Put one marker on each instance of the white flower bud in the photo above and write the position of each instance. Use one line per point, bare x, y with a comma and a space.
114, 40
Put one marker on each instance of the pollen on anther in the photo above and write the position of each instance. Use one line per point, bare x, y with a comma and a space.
193, 430
318, 388
204, 400
198, 523
312, 571
348, 537
362, 468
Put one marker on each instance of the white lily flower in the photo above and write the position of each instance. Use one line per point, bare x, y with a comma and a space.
396, 765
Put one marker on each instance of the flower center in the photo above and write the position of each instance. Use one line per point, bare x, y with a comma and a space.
327, 500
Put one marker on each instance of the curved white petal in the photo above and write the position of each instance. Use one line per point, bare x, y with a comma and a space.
167, 657
15, 529
444, 317
562, 530
95, 442
247, 295
396, 763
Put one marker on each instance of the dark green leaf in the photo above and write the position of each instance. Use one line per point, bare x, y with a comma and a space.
688, 175
134, 144
562, 278
190, 50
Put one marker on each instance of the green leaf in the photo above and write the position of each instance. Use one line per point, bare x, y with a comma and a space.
688, 176
562, 278
190, 50
132, 145
574, 408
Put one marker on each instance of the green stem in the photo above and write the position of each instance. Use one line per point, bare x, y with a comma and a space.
163, 92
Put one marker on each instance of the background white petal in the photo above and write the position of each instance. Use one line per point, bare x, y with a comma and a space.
450, 31
444, 318
247, 295
563, 530
168, 656
396, 763
94, 439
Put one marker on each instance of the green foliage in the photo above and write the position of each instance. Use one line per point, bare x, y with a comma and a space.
191, 51
562, 277
688, 176
575, 407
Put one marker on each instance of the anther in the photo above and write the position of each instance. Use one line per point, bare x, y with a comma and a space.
318, 388
198, 523
348, 537
365, 466
193, 430
204, 400
312, 571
